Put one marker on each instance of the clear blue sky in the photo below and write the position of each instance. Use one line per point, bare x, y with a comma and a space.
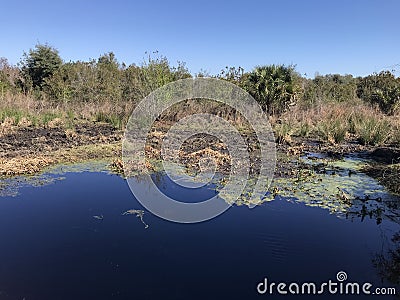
342, 36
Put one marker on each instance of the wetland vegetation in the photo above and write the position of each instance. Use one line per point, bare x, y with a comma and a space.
337, 136
53, 111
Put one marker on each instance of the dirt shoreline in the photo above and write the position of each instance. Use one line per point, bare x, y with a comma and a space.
30, 150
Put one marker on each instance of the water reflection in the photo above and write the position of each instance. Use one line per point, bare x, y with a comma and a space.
387, 262
76, 256
337, 185
10, 186
340, 187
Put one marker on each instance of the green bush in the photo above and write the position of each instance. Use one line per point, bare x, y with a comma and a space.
331, 87
283, 132
272, 86
333, 131
373, 131
117, 121
382, 89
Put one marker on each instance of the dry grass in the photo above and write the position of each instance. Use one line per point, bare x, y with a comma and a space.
41, 112
30, 165
337, 122
396, 130
24, 165
331, 122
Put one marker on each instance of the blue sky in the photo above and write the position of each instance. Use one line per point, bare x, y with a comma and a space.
355, 36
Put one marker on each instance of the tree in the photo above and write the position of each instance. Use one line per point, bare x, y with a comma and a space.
331, 87
58, 86
108, 78
8, 76
37, 65
382, 89
272, 86
139, 81
232, 74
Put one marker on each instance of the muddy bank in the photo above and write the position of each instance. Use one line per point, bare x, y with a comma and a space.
32, 140
387, 174
29, 150
202, 144
385, 167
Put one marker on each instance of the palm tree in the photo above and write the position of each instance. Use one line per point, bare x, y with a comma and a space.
272, 86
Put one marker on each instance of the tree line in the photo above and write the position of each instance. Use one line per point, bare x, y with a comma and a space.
42, 74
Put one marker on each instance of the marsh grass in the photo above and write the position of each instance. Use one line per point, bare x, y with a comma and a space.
395, 138
14, 114
338, 122
373, 131
304, 128
41, 112
32, 164
47, 117
115, 120
332, 131
332, 122
283, 132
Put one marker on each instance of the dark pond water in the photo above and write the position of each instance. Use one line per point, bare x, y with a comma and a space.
52, 246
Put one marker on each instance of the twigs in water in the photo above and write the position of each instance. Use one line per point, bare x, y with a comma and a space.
343, 195
139, 213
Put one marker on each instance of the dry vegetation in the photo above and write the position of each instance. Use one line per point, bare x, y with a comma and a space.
340, 122
46, 104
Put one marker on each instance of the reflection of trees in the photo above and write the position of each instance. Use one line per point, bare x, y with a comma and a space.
388, 264
377, 209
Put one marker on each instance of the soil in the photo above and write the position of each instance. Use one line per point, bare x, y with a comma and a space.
29, 150
39, 140
286, 152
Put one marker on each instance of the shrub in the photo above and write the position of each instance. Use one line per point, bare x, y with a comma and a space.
283, 132
382, 89
333, 131
373, 131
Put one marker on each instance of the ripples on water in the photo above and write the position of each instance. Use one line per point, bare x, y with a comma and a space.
52, 246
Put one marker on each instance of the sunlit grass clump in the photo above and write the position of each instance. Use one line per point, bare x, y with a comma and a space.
336, 123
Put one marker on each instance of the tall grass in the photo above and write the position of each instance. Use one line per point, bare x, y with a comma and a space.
338, 122
117, 121
283, 132
331, 122
41, 112
333, 130
11, 113
373, 131
396, 133
304, 128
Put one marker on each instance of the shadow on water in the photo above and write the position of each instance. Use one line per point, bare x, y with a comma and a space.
10, 186
387, 261
340, 187
87, 237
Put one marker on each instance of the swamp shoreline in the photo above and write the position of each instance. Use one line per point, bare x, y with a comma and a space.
29, 150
